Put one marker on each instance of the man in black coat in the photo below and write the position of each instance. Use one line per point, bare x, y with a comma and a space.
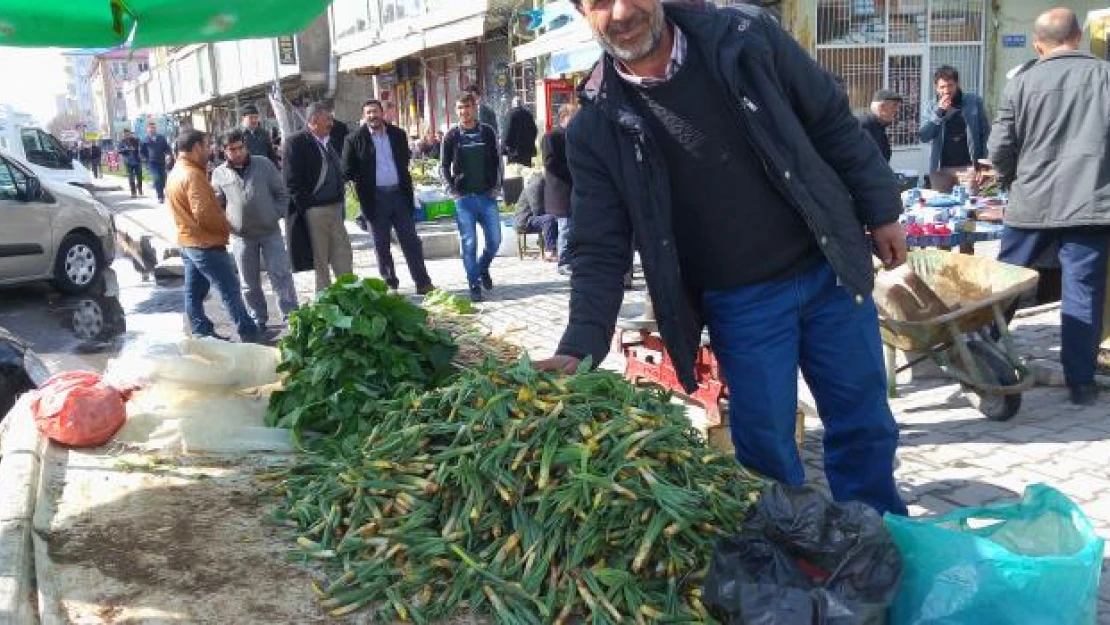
314, 176
736, 162
883, 112
519, 143
376, 159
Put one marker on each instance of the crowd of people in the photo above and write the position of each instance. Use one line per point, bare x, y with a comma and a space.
240, 198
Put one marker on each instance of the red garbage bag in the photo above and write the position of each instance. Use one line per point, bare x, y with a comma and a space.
77, 408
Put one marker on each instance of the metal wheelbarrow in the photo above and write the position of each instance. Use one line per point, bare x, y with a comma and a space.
971, 343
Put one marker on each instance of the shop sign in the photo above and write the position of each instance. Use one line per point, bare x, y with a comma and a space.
287, 51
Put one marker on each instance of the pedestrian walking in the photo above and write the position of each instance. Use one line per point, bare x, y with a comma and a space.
255, 199
957, 126
557, 182
713, 139
314, 177
202, 234
472, 171
158, 155
519, 143
129, 151
486, 114
376, 159
1049, 147
255, 137
877, 120
95, 156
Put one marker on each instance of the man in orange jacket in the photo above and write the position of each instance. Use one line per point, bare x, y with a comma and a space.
202, 233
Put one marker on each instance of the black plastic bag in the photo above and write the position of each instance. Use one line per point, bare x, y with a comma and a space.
800, 558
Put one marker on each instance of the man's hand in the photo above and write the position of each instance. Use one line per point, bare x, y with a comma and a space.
560, 364
890, 244
944, 104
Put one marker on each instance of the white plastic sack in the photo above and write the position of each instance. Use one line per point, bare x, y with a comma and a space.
194, 362
198, 395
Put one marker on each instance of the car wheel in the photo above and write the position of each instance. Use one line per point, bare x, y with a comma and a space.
78, 264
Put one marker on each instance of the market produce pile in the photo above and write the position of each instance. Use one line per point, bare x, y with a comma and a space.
514, 493
357, 343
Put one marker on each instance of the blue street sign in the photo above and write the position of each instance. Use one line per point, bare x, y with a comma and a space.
1013, 41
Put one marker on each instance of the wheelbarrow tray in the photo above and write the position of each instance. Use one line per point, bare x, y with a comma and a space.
969, 285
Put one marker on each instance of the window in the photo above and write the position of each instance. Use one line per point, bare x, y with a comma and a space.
13, 183
44, 150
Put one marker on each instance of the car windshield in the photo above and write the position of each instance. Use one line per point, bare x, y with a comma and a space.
44, 150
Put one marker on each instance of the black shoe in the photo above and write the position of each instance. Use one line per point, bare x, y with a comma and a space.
424, 290
487, 280
213, 335
475, 294
393, 285
1083, 394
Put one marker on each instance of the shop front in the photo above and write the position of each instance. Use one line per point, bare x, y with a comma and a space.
897, 45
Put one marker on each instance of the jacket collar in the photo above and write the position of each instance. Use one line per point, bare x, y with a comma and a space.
1067, 54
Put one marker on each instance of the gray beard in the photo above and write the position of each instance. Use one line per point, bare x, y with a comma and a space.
631, 55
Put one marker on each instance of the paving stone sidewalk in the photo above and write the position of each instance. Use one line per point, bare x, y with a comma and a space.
950, 455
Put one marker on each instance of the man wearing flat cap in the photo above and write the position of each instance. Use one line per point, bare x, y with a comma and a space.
255, 137
884, 110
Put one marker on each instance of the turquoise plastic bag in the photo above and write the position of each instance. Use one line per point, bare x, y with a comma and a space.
1035, 561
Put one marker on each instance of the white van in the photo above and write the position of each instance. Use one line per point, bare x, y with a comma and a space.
47, 157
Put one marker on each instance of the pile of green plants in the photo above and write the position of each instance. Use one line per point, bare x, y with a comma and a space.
354, 346
520, 495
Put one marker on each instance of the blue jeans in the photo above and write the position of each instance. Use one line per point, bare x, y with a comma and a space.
761, 334
158, 177
564, 235
1083, 258
470, 211
207, 267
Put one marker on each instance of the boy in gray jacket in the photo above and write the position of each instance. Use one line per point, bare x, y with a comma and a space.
254, 196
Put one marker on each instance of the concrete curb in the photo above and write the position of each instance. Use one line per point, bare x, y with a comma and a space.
20, 470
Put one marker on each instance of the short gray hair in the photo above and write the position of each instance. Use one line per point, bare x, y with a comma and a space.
316, 108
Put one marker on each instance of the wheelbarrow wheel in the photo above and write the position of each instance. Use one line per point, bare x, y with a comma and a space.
993, 364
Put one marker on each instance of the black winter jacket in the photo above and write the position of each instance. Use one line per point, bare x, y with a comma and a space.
360, 164
519, 143
450, 167
800, 124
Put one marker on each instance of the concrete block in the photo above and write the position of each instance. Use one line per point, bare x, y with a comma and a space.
19, 479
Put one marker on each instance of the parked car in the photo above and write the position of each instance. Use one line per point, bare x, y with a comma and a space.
20, 370
51, 230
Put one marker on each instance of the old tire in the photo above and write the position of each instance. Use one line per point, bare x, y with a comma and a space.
993, 364
79, 263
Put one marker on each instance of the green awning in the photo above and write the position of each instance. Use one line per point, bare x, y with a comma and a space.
108, 23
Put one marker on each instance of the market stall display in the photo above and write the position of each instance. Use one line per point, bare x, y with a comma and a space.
426, 490
947, 221
519, 494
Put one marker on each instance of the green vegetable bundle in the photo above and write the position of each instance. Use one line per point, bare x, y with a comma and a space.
518, 494
355, 344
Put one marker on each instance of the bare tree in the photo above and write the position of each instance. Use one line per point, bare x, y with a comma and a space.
63, 121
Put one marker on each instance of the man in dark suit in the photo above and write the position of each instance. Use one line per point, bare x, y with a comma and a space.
519, 143
376, 159
884, 110
314, 176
